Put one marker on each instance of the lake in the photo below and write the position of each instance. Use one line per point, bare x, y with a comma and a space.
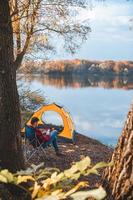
98, 105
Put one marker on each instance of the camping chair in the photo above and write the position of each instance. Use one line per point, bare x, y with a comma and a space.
33, 142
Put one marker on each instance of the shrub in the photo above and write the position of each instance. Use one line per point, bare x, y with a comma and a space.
51, 184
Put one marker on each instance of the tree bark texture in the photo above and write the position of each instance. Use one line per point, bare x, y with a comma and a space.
118, 179
11, 156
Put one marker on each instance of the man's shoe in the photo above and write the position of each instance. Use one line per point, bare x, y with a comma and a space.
59, 154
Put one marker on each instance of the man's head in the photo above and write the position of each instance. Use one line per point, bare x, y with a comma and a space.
34, 121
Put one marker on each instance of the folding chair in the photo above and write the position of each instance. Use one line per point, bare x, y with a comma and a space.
33, 142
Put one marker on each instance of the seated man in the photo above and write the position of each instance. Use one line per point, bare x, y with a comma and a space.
43, 138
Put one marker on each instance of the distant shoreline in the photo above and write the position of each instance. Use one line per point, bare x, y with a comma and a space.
78, 67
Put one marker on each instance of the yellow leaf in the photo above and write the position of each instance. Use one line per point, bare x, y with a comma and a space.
97, 194
83, 164
91, 171
35, 190
68, 173
75, 176
49, 197
42, 193
54, 175
78, 186
79, 166
47, 183
60, 176
7, 175
56, 192
3, 179
21, 179
102, 164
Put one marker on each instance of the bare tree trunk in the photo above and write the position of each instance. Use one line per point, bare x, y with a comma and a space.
16, 26
11, 156
118, 179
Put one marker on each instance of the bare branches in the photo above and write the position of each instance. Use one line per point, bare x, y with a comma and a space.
27, 25
33, 19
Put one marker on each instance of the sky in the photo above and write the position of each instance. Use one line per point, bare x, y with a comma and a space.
111, 37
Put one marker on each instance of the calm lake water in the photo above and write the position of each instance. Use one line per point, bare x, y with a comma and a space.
98, 105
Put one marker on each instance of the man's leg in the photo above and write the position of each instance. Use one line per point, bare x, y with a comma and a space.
53, 141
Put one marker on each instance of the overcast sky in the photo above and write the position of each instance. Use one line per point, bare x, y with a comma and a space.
110, 37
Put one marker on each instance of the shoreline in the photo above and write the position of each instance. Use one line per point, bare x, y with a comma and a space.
78, 67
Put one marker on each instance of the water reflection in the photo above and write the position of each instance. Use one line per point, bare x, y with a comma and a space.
83, 81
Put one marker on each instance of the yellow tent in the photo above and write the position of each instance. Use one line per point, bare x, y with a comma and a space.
68, 130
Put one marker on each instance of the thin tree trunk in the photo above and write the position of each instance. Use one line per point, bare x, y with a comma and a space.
11, 156
118, 179
16, 27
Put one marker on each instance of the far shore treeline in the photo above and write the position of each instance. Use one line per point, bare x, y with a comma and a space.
109, 67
